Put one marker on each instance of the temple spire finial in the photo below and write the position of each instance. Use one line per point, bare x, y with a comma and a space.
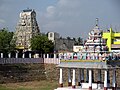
97, 20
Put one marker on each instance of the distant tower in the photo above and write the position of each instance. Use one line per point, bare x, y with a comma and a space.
26, 28
53, 36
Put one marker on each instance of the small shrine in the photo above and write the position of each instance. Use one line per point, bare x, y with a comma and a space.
93, 56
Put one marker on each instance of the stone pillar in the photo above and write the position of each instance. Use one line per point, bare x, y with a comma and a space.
73, 79
16, 56
79, 77
47, 55
114, 85
82, 75
108, 77
61, 78
43, 55
1, 55
105, 80
90, 79
29, 55
9, 55
54, 56
23, 56
99, 79
93, 76
69, 78
87, 75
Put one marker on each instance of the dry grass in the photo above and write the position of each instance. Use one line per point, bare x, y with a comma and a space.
34, 85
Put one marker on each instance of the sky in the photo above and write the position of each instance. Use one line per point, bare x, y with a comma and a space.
73, 18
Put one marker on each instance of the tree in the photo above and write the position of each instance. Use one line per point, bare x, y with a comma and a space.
42, 44
5, 41
80, 40
68, 38
75, 41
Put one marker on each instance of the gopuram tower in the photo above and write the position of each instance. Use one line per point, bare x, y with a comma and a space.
26, 28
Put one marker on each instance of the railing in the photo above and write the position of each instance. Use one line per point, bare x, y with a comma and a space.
90, 56
46, 58
20, 60
55, 59
29, 60
51, 60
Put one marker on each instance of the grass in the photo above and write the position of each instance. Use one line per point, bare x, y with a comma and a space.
35, 85
83, 60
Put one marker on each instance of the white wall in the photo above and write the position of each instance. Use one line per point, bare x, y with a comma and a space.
77, 48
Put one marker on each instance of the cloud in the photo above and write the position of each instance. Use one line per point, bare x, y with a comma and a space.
53, 24
63, 9
50, 11
69, 3
68, 17
1, 2
2, 21
63, 17
77, 18
9, 13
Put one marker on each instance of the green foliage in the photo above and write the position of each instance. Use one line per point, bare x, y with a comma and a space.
5, 40
42, 44
68, 38
78, 40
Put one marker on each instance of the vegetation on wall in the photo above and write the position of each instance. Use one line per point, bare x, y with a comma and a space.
42, 44
78, 41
